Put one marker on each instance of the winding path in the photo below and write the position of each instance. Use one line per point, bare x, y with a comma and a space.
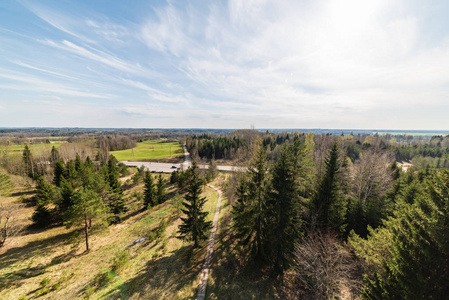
210, 249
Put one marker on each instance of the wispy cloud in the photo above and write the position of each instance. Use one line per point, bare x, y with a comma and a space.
236, 62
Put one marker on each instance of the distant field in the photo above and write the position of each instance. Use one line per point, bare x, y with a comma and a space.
411, 133
33, 147
150, 150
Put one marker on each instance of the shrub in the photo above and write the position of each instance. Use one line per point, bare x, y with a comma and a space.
44, 282
120, 261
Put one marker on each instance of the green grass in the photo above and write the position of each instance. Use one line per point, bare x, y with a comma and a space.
150, 150
33, 147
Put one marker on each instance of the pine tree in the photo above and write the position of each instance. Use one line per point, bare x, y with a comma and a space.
284, 206
117, 203
419, 263
89, 164
29, 162
78, 163
194, 225
66, 193
249, 211
54, 155
71, 174
43, 214
328, 205
161, 194
149, 193
59, 172
87, 206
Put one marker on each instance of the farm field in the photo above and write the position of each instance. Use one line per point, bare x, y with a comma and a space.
33, 147
147, 150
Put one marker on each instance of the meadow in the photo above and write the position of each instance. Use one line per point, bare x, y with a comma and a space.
152, 149
52, 263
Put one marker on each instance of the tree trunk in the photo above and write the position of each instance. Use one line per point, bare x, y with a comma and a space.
86, 231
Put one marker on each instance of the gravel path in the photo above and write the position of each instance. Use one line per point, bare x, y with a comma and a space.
210, 249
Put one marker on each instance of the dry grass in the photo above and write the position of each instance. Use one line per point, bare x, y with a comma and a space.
52, 264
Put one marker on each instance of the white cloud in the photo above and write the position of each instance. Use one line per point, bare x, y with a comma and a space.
296, 57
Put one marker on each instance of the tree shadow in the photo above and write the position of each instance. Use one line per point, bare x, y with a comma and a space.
132, 214
163, 277
234, 278
41, 246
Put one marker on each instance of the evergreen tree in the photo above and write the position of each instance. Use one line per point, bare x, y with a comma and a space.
89, 164
59, 172
328, 205
43, 214
161, 194
250, 209
78, 163
284, 206
117, 203
212, 171
66, 193
174, 176
149, 193
87, 206
71, 174
194, 225
54, 155
419, 263
29, 162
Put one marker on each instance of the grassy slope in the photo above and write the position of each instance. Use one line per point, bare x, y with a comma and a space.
149, 150
166, 268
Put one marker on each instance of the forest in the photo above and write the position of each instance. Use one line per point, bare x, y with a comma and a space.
316, 216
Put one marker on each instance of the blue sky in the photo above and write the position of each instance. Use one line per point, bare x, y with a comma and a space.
225, 64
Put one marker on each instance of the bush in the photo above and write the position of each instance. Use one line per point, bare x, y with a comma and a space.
120, 261
88, 291
102, 279
177, 204
44, 282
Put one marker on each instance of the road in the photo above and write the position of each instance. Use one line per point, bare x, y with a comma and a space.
168, 168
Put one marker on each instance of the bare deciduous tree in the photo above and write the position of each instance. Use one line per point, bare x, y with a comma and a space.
323, 267
372, 177
9, 226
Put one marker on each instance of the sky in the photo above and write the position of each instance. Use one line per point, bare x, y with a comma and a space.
345, 64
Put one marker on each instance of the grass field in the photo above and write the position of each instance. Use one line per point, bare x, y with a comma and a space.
52, 264
153, 149
33, 147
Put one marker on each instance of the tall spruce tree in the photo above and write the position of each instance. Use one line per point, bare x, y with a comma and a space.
28, 160
59, 172
194, 225
327, 205
54, 155
161, 194
284, 205
250, 209
45, 196
149, 192
117, 202
419, 264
